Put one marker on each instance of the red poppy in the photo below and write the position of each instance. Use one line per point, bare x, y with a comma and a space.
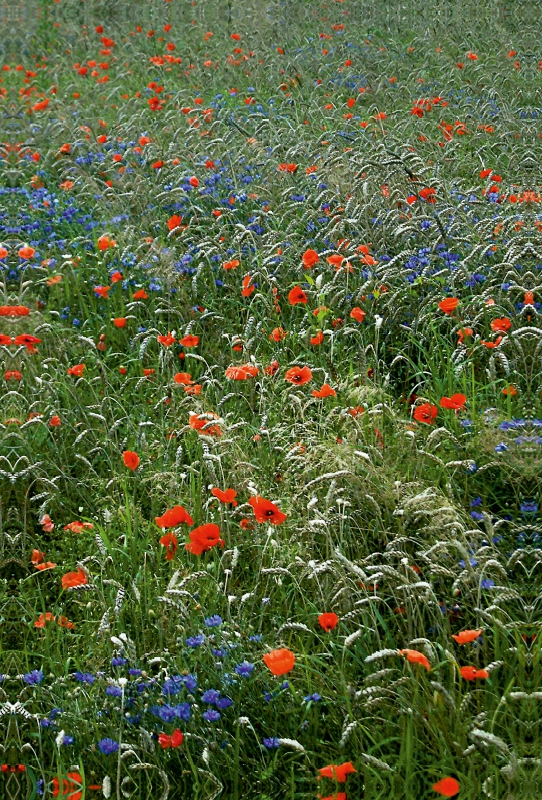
119, 322
204, 538
247, 288
491, 345
71, 786
201, 423
241, 373
169, 540
183, 378
174, 517
464, 637
13, 375
27, 340
449, 304
415, 657
447, 787
189, 341
297, 295
337, 772
266, 511
473, 674
175, 740
310, 258
501, 325
279, 661
174, 222
55, 421
358, 314
26, 252
426, 412
225, 497
77, 370
131, 459
72, 579
510, 391
230, 264
277, 334
272, 368
43, 619
456, 402
298, 375
328, 621
141, 294
105, 242
325, 391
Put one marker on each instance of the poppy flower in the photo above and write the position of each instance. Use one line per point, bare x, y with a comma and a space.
204, 538
189, 341
277, 334
141, 294
169, 540
279, 661
174, 222
119, 322
247, 288
464, 637
175, 740
448, 305
13, 375
26, 252
71, 786
297, 295
266, 511
510, 391
426, 412
131, 459
358, 314
230, 264
166, 340
328, 621
415, 657
473, 674
43, 619
77, 370
272, 368
105, 242
174, 517
447, 787
78, 527
491, 345
501, 325
72, 579
456, 402
55, 421
337, 772
225, 497
241, 373
317, 339
325, 391
298, 375
310, 258
201, 422
183, 378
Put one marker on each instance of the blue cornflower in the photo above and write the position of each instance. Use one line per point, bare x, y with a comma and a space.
133, 671
84, 677
244, 669
195, 641
313, 698
271, 743
67, 740
211, 715
214, 621
487, 583
223, 702
210, 696
108, 746
114, 691
118, 661
34, 677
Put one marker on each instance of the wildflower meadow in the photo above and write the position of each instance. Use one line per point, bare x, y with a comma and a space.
271, 411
